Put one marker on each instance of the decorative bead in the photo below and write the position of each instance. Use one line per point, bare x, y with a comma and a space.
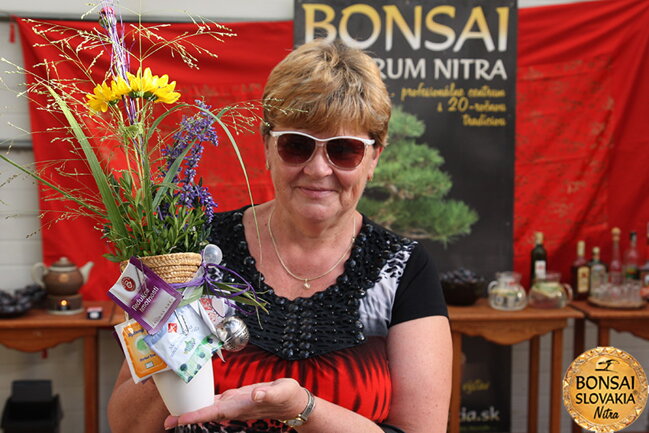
212, 254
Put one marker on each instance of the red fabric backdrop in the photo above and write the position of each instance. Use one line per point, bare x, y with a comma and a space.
582, 147
582, 128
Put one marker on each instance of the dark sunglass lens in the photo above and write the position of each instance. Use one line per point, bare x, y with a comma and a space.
346, 152
295, 148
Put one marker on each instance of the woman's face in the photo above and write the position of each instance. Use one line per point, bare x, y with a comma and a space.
316, 190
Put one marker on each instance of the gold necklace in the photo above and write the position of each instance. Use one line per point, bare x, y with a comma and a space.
305, 280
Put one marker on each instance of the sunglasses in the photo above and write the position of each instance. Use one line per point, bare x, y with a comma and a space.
297, 148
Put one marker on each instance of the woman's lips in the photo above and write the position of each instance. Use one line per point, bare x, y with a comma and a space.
315, 192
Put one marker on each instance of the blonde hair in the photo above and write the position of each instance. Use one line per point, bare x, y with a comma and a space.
321, 85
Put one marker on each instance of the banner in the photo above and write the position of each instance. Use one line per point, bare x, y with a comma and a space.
452, 65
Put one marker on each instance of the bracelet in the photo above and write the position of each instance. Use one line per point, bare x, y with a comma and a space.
302, 417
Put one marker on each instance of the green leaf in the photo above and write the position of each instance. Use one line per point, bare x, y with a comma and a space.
112, 212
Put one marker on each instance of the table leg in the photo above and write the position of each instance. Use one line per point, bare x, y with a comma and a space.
456, 391
555, 381
91, 383
533, 386
579, 343
603, 335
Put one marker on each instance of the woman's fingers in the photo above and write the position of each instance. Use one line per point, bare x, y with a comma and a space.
283, 398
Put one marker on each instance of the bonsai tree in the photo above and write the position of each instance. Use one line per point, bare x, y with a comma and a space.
407, 193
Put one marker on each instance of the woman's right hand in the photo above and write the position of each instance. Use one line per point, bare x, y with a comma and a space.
280, 399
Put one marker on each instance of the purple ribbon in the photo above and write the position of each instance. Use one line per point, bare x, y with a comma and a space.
210, 281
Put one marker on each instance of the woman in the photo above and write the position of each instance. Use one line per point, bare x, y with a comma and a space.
356, 338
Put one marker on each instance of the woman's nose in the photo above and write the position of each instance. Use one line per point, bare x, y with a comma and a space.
319, 163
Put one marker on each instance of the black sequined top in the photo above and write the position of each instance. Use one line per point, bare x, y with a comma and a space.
382, 272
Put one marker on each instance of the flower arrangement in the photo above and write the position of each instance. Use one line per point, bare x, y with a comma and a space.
150, 202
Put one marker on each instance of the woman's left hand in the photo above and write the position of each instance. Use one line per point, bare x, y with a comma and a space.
280, 399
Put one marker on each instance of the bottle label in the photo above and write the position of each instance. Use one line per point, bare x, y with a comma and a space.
539, 269
631, 272
583, 279
597, 277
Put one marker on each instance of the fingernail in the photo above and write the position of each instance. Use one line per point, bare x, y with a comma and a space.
259, 395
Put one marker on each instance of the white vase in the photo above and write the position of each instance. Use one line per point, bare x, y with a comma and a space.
180, 396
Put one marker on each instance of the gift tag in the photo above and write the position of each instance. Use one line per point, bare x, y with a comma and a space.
144, 296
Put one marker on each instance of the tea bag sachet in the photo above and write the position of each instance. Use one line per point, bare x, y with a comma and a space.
185, 342
144, 296
141, 360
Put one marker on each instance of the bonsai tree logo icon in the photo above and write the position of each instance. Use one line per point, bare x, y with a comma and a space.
408, 192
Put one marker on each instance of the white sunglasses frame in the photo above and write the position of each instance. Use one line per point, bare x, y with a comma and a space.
320, 142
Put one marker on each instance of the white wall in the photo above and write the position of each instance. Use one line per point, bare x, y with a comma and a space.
20, 241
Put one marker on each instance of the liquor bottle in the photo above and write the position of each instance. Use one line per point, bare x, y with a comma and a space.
644, 269
597, 271
580, 273
539, 258
631, 259
615, 274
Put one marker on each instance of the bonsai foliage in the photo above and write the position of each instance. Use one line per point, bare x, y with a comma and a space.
407, 194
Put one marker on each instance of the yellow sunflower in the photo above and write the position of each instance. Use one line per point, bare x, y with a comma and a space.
152, 87
101, 97
120, 87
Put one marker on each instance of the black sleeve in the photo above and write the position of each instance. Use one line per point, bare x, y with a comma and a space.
419, 293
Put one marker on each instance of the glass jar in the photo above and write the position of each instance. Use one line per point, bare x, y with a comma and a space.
506, 293
549, 292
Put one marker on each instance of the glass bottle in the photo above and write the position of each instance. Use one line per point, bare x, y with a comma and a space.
580, 273
615, 266
631, 259
539, 258
644, 269
597, 271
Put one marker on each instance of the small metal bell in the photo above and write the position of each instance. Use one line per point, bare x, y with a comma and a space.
233, 333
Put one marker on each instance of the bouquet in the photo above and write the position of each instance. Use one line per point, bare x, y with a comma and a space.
151, 206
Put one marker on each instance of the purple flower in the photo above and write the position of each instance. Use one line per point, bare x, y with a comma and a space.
193, 132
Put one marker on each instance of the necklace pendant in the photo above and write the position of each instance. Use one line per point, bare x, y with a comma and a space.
307, 286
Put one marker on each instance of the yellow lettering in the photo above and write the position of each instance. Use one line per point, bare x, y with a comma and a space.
503, 25
477, 18
310, 24
393, 16
369, 12
440, 29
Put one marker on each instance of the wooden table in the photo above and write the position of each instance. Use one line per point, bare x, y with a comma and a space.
635, 321
38, 330
507, 328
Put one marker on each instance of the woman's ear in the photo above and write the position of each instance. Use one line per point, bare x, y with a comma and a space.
375, 159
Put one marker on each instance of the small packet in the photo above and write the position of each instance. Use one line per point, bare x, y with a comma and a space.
144, 296
185, 342
212, 310
141, 360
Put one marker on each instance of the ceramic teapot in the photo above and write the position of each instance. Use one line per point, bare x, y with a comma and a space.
506, 293
63, 278
549, 292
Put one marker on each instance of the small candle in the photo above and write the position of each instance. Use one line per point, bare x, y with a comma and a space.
63, 305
